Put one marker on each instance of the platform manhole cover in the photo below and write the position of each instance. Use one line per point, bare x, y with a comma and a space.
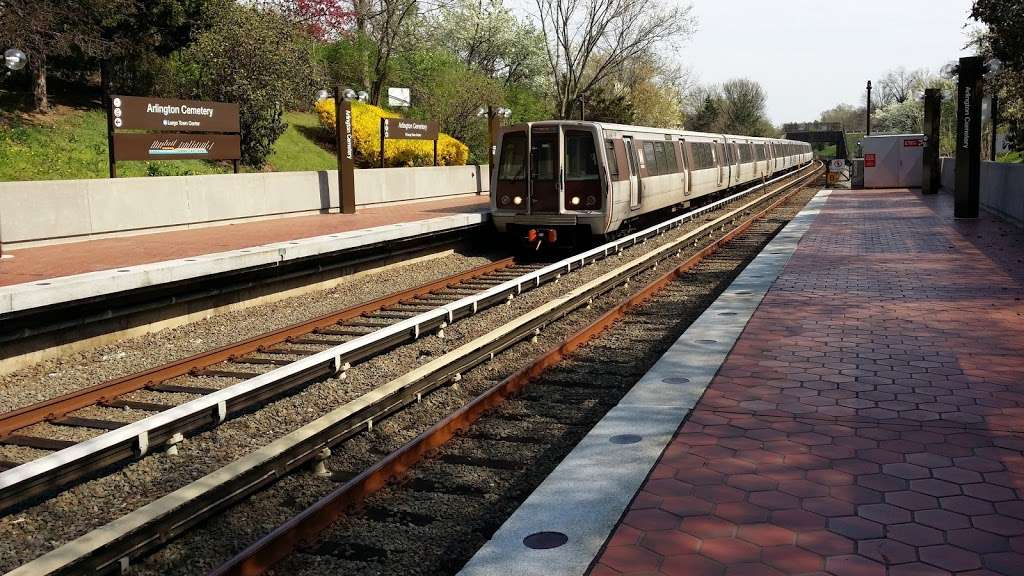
705, 341
727, 314
625, 439
545, 540
676, 380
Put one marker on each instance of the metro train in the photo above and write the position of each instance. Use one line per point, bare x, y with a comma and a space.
570, 182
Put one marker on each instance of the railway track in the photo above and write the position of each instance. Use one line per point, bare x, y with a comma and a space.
173, 514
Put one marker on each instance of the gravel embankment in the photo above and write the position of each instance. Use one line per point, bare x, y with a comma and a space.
40, 528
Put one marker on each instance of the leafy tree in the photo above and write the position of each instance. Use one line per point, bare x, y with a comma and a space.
853, 118
899, 118
707, 114
587, 41
486, 36
1004, 39
645, 92
255, 58
744, 108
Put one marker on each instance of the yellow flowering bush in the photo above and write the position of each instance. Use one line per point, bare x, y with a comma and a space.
366, 139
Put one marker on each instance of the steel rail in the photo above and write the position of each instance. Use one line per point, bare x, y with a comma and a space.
304, 527
58, 406
149, 526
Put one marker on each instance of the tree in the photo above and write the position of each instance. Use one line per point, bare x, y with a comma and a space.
705, 109
744, 108
255, 58
645, 92
323, 19
904, 117
853, 118
899, 85
488, 37
586, 41
1004, 39
51, 28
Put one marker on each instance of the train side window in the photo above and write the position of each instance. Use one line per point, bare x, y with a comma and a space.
613, 162
670, 158
580, 156
650, 158
662, 154
512, 165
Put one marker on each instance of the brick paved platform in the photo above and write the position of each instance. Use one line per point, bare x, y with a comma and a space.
869, 421
47, 262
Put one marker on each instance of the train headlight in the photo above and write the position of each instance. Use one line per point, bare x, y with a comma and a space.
517, 200
575, 200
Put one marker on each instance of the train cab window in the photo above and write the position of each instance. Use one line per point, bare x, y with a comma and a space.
512, 163
544, 152
613, 162
580, 156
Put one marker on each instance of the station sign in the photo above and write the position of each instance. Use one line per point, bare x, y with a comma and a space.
403, 129
177, 146
837, 165
173, 115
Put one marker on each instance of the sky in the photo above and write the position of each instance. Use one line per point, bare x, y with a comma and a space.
811, 55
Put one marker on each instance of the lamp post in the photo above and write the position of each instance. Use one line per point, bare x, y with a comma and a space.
494, 118
869, 110
343, 98
14, 60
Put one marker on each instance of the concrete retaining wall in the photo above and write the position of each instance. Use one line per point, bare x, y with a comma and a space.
43, 212
1002, 188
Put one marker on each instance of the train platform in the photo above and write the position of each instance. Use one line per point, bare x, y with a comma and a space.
853, 404
59, 273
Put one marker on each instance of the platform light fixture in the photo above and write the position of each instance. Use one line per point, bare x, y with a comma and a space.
322, 95
14, 59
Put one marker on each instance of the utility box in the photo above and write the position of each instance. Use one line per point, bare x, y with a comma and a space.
893, 160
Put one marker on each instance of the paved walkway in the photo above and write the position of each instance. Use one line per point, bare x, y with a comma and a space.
45, 262
869, 421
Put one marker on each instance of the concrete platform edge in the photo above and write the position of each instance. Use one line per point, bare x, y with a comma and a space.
19, 297
585, 504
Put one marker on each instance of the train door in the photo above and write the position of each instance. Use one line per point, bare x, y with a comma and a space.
545, 169
634, 173
724, 167
738, 159
684, 168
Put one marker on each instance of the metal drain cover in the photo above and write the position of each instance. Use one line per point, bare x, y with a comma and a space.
545, 540
625, 439
676, 380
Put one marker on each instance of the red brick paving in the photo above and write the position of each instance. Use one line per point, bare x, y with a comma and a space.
44, 262
870, 420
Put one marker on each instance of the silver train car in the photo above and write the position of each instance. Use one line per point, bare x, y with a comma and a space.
567, 182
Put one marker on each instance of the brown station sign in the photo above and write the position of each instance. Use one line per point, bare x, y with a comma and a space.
177, 146
404, 129
172, 115
178, 130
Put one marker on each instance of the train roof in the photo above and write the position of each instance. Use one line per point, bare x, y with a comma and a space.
653, 130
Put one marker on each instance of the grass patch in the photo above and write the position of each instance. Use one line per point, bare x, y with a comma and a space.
302, 146
71, 143
1011, 157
